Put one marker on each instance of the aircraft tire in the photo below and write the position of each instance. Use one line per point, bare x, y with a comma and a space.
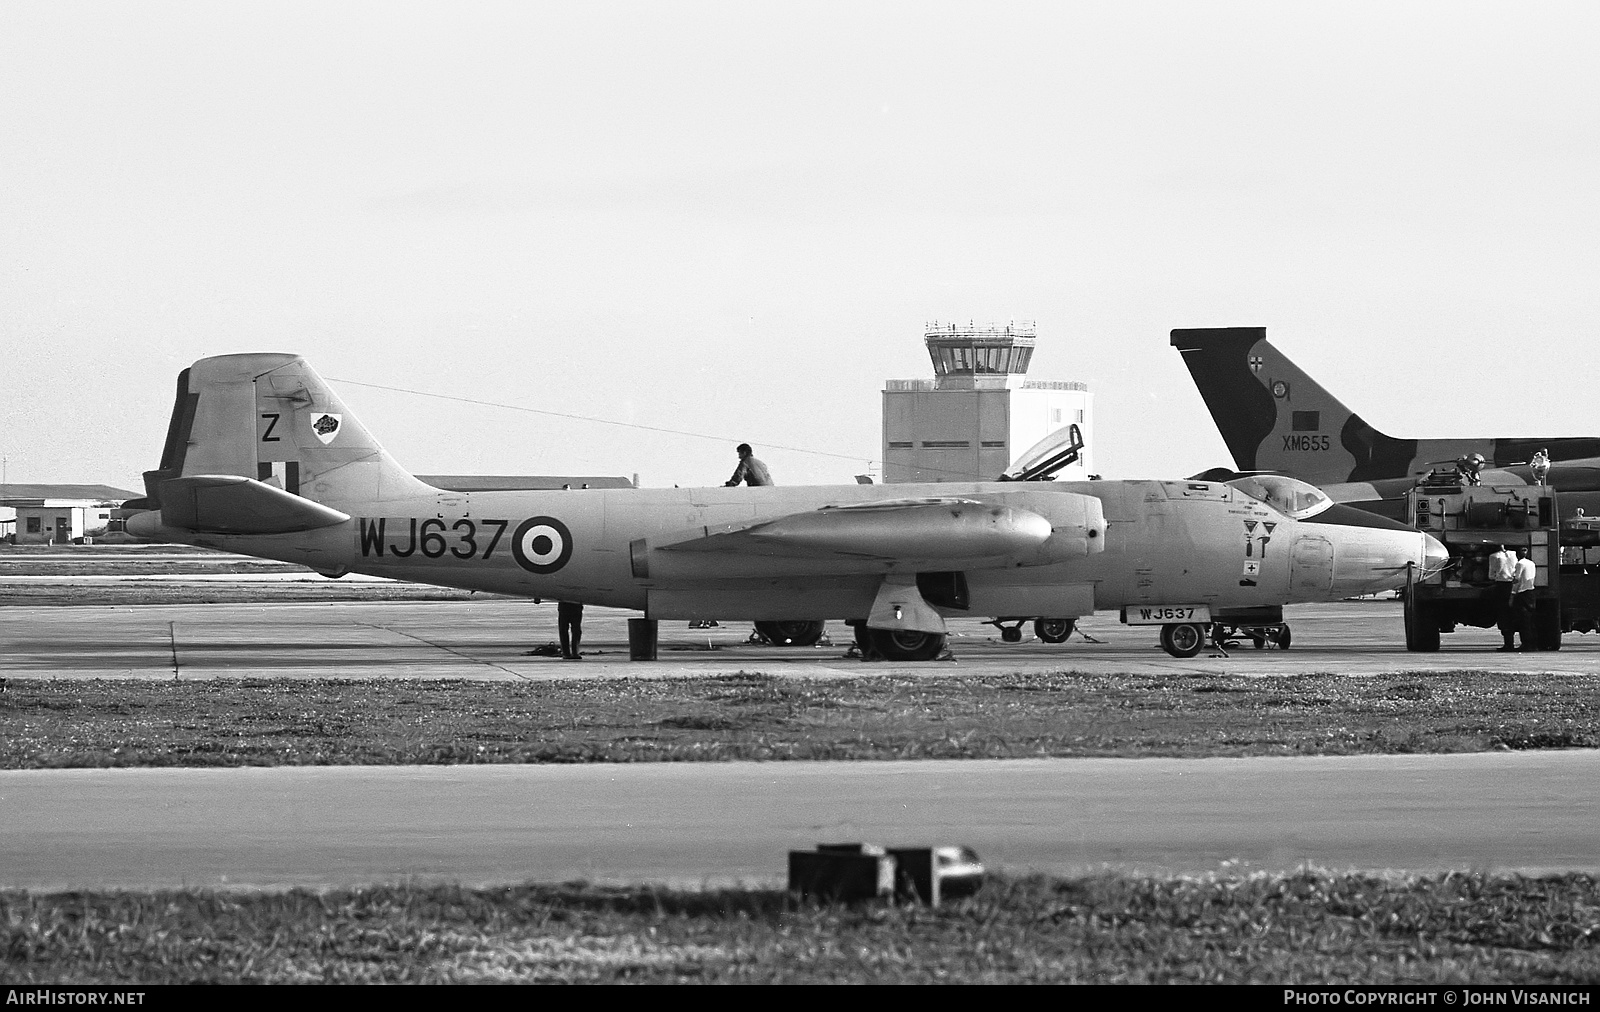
1053, 630
1183, 639
794, 633
897, 645
1011, 634
1283, 638
1258, 640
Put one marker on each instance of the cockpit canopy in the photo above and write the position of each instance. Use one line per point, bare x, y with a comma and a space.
1292, 497
1043, 459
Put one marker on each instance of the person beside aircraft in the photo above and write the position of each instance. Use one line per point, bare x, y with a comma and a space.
1503, 570
1522, 599
750, 470
569, 620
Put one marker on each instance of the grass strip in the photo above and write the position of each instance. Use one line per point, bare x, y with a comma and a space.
1302, 927
53, 723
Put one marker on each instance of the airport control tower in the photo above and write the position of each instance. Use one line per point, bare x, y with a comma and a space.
978, 415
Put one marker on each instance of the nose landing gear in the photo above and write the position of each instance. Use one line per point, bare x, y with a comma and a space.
1049, 630
1226, 634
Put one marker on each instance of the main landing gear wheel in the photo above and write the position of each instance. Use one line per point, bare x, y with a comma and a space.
906, 645
1282, 638
1183, 639
797, 633
1053, 630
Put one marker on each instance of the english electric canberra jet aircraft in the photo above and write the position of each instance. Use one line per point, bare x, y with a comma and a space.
262, 459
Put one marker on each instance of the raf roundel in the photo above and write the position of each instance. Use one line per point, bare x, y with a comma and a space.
542, 544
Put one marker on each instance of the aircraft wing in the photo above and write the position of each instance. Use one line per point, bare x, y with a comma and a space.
233, 504
933, 528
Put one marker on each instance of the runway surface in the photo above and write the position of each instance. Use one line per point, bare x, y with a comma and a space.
490, 638
689, 824
723, 823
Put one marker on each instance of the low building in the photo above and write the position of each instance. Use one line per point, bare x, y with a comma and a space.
58, 514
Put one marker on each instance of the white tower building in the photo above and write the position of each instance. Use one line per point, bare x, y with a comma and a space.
977, 416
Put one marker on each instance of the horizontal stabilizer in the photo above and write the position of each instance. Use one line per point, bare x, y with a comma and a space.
233, 504
906, 528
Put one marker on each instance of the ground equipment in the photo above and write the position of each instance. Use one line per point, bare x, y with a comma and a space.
1473, 521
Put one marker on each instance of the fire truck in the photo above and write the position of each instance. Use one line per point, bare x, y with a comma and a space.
1473, 521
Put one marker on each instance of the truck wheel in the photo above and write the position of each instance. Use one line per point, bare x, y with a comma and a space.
1422, 628
1053, 630
1547, 624
906, 644
797, 633
1183, 639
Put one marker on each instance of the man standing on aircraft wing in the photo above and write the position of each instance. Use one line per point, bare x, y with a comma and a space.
749, 470
1539, 465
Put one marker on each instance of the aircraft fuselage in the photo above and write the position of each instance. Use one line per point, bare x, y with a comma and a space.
1110, 544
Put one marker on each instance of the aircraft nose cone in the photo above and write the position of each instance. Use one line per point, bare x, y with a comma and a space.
1434, 554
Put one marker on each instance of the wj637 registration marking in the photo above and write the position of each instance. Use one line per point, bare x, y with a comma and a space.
403, 537
1166, 614
540, 545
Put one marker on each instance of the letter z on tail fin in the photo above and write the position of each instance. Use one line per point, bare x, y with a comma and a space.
1274, 417
271, 418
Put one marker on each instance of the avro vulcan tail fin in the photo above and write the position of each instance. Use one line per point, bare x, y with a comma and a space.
1274, 417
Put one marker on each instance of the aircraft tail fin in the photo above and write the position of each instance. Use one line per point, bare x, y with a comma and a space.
272, 419
1275, 417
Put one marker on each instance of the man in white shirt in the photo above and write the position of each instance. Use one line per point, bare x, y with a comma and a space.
1522, 599
1502, 570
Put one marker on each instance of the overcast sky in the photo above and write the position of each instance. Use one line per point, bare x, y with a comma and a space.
734, 219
